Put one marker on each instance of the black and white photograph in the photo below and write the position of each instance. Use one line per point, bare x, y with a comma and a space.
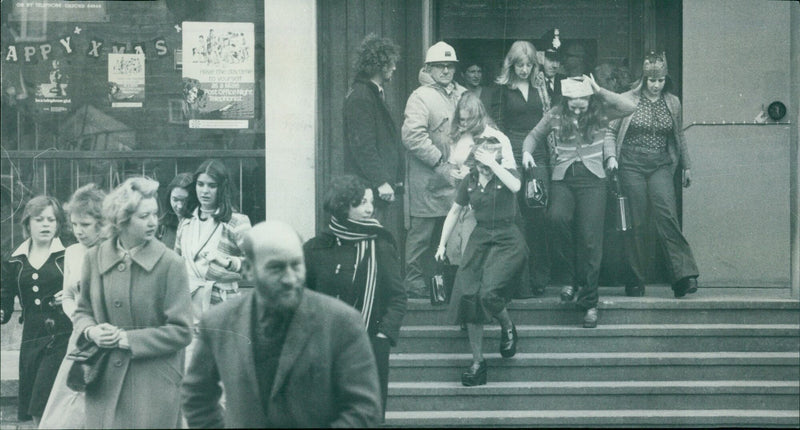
399, 213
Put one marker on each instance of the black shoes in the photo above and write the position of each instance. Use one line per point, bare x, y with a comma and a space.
475, 375
634, 290
590, 319
567, 294
685, 286
508, 341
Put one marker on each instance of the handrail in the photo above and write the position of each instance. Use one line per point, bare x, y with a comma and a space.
133, 155
705, 123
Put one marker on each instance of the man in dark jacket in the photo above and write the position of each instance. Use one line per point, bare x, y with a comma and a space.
372, 144
288, 357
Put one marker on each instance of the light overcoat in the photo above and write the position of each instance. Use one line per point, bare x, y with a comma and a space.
149, 299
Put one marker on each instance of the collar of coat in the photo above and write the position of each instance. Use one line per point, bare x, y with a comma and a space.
24, 247
147, 257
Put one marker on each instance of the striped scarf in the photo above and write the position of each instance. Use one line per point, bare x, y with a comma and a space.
364, 233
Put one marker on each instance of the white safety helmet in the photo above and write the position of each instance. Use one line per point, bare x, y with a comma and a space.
440, 53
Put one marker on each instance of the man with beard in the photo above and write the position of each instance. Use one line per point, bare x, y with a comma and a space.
287, 356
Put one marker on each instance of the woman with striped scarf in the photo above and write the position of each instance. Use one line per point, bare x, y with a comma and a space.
356, 260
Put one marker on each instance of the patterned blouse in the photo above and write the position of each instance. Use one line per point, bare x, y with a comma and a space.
651, 126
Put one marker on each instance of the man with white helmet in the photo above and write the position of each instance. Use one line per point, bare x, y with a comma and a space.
426, 135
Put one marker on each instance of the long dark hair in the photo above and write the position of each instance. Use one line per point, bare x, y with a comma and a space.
225, 189
591, 120
181, 180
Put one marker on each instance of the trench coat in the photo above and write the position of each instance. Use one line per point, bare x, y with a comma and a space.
426, 135
149, 299
326, 375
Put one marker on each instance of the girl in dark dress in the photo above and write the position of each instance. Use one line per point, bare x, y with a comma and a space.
35, 274
356, 260
495, 252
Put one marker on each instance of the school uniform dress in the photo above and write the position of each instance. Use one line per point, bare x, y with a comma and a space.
46, 329
495, 252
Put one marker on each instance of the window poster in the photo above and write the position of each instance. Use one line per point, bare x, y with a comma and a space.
126, 80
52, 86
218, 74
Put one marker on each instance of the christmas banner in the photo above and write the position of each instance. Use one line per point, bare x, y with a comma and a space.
126, 80
218, 74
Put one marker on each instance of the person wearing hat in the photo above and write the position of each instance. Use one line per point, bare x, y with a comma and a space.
651, 146
578, 189
550, 71
495, 251
426, 136
372, 147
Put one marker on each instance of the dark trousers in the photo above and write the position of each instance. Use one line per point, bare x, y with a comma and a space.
576, 216
647, 180
421, 242
390, 215
534, 228
381, 347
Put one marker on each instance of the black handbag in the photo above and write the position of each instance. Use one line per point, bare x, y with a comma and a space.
89, 361
442, 283
535, 191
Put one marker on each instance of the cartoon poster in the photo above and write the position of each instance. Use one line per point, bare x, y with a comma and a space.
126, 80
52, 89
218, 74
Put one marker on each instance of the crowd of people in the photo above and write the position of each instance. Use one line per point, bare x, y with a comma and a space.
142, 324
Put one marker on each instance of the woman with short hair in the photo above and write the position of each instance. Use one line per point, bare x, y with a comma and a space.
35, 274
66, 408
134, 300
356, 260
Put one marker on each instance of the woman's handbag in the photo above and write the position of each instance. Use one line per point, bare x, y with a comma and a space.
535, 191
442, 283
89, 361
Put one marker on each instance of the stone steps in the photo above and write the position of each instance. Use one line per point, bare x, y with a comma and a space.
609, 395
610, 338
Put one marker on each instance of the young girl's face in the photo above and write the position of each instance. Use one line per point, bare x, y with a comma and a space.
578, 106
43, 226
655, 86
207, 189
464, 117
85, 227
364, 209
177, 199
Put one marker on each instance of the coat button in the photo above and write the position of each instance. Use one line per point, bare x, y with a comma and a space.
121, 267
37, 302
117, 304
35, 276
35, 288
118, 363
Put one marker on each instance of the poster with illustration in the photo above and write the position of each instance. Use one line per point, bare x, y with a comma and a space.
126, 80
218, 74
52, 91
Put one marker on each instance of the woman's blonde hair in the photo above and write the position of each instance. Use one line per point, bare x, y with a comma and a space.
478, 118
519, 51
121, 203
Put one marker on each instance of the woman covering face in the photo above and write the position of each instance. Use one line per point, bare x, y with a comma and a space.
578, 191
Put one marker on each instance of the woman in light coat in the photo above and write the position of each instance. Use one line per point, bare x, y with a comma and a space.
135, 300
